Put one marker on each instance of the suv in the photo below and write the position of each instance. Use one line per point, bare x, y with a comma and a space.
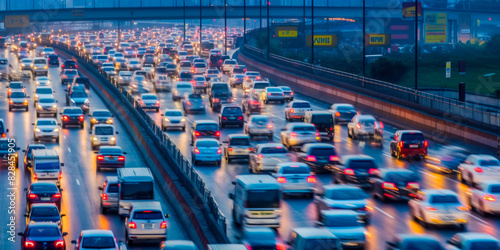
109, 194
103, 134
72, 116
355, 170
231, 115
218, 94
229, 65
323, 121
53, 60
145, 221
204, 129
69, 64
39, 67
408, 143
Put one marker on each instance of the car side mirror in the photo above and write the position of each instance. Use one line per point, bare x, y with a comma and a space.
116, 132
62, 215
95, 152
65, 90
100, 188
33, 124
167, 215
6, 130
90, 132
26, 215
24, 151
62, 164
26, 189
64, 234
73, 242
162, 114
230, 196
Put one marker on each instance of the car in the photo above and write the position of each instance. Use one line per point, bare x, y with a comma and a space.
42, 92
323, 121
258, 87
259, 125
180, 89
133, 65
26, 64
354, 170
185, 76
44, 212
102, 135
272, 94
438, 207
448, 159
237, 146
39, 66
199, 68
145, 221
204, 129
68, 75
236, 80
251, 105
408, 144
109, 71
287, 91
343, 197
296, 110
77, 97
46, 106
305, 238
42, 81
109, 194
110, 157
343, 112
148, 101
344, 224
361, 126
173, 118
43, 192
172, 70
18, 100
239, 69
46, 128
213, 72
231, 115
266, 156
318, 156
69, 64
185, 66
295, 178
200, 83
80, 80
95, 239
72, 116
139, 84
100, 59
298, 134
120, 63
15, 87
472, 240
229, 65
414, 242
178, 244
193, 103
218, 95
206, 150
484, 197
22, 54
101, 116
28, 153
42, 235
395, 184
477, 168
162, 83
260, 238
53, 60
251, 76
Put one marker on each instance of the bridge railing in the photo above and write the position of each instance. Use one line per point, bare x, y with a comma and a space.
479, 115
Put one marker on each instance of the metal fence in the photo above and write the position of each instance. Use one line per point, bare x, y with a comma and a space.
182, 167
485, 116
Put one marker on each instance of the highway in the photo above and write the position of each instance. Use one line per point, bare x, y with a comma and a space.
80, 196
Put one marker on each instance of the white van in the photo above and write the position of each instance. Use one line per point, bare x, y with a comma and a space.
256, 201
46, 166
136, 184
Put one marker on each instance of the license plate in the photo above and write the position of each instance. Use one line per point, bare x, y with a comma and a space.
413, 146
232, 118
301, 110
448, 218
294, 181
266, 213
111, 158
104, 138
148, 226
45, 198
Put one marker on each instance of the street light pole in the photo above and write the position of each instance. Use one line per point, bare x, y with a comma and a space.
260, 14
244, 21
201, 30
184, 9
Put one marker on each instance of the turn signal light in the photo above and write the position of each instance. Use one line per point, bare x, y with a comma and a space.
388, 185
348, 171
132, 225
489, 197
281, 179
163, 224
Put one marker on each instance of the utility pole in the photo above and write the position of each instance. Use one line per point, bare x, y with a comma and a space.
184, 9
244, 21
201, 30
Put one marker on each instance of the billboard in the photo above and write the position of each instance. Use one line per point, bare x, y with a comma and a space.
323, 40
18, 21
409, 10
286, 31
377, 40
436, 27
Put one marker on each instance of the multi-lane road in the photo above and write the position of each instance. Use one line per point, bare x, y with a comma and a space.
80, 196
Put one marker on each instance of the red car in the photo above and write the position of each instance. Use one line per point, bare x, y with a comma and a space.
409, 144
43, 192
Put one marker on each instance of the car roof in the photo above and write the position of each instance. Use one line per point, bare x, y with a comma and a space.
300, 124
438, 192
71, 108
206, 139
100, 110
366, 117
384, 171
307, 146
270, 145
313, 232
112, 179
97, 232
43, 183
476, 236
197, 122
103, 125
146, 205
178, 244
355, 157
42, 224
483, 157
338, 212
231, 136
43, 205
252, 181
416, 236
409, 131
46, 119
340, 186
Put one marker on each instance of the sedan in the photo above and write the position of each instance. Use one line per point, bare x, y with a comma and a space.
101, 116
237, 146
251, 105
299, 133
354, 170
361, 126
485, 197
68, 75
343, 112
318, 156
273, 94
133, 65
72, 116
110, 157
295, 178
43, 192
199, 83
44, 212
236, 80
42, 235
124, 78
260, 238
96, 239
18, 100
26, 64
149, 101
173, 118
395, 184
473, 241
193, 103
259, 125
46, 106
206, 150
296, 110
410, 241
28, 152
266, 156
15, 87
343, 197
46, 128
345, 225
448, 160
288, 93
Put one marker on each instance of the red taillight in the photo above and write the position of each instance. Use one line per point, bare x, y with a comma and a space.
81, 118
334, 158
431, 208
388, 185
56, 196
293, 134
292, 110
489, 197
35, 176
260, 156
478, 169
29, 244
60, 175
121, 158
413, 185
374, 171
269, 94
60, 243
250, 149
100, 157
291, 93
463, 208
32, 196
230, 149
426, 143
4, 135
401, 144
269, 126
217, 133
104, 197
311, 158
337, 114
196, 151
311, 179
281, 179
196, 133
163, 224
381, 125
358, 126
188, 103
219, 151
158, 102
240, 118
132, 225
216, 99
348, 171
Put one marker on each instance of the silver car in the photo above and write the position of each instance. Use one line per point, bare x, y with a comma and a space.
296, 110
344, 224
46, 128
266, 156
109, 194
237, 146
295, 178
139, 84
206, 150
345, 197
259, 125
299, 133
145, 221
46, 106
173, 118
272, 94
149, 101
361, 126
124, 78
102, 134
180, 89
162, 83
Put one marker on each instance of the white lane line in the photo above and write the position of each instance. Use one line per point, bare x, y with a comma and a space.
277, 137
423, 172
479, 219
387, 155
64, 137
340, 138
277, 117
69, 150
386, 214
78, 182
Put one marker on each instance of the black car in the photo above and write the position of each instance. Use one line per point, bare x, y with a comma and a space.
53, 60
236, 80
251, 105
231, 115
72, 116
172, 70
395, 184
28, 151
218, 99
355, 170
81, 80
42, 235
240, 69
323, 121
69, 64
318, 156
186, 76
43, 192
8, 157
260, 238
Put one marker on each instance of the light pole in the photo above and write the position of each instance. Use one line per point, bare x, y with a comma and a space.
244, 21
201, 30
364, 41
184, 9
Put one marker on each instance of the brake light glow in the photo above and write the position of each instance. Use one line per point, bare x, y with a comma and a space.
260, 156
196, 133
292, 110
381, 125
100, 157
29, 244
489, 197
388, 185
293, 134
374, 171
281, 179
60, 175
56, 196
358, 126
291, 93
230, 149
431, 209
4, 135
426, 143
217, 133
268, 94
311, 158
121, 158
60, 243
132, 225
188, 103
311, 179
401, 144
334, 158
413, 185
478, 169
240, 118
32, 196
463, 208
219, 151
163, 224
104, 197
337, 114
65, 118
196, 151
35, 176
348, 171
269, 126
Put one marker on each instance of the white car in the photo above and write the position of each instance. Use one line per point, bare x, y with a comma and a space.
173, 118
124, 78
95, 239
266, 156
42, 92
297, 110
145, 221
42, 81
180, 90
478, 168
149, 101
229, 65
102, 134
438, 207
361, 126
295, 178
46, 106
133, 64
485, 197
39, 66
162, 82
473, 241
299, 133
46, 128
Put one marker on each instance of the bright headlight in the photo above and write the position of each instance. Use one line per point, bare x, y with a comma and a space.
94, 138
113, 138
166, 119
54, 106
37, 130
56, 130
183, 119
86, 101
109, 120
39, 106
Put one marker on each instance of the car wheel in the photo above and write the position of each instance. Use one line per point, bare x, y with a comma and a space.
470, 182
10, 109
349, 133
423, 221
398, 156
463, 227
235, 221
93, 147
103, 209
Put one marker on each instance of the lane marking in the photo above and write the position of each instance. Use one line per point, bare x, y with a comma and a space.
277, 137
69, 150
64, 137
275, 116
423, 172
387, 155
340, 138
78, 182
479, 219
386, 214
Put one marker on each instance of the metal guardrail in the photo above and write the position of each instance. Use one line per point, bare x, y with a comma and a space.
480, 114
183, 167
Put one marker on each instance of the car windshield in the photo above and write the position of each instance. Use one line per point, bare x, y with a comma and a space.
43, 187
194, 96
98, 242
301, 105
17, 95
126, 73
367, 122
45, 100
495, 189
274, 90
443, 199
113, 188
137, 191
78, 94
200, 65
252, 74
104, 130
149, 97
49, 165
322, 119
296, 170
260, 120
346, 108
102, 113
207, 144
273, 150
261, 85
39, 61
422, 244
184, 86
102, 57
232, 111
263, 199
362, 164
49, 231
326, 151
341, 221
304, 128
110, 151
15, 85
148, 215
199, 78
320, 244
489, 163
185, 64
239, 142
73, 111
396, 177
46, 123
412, 137
481, 245
44, 211
346, 194
207, 127
171, 66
